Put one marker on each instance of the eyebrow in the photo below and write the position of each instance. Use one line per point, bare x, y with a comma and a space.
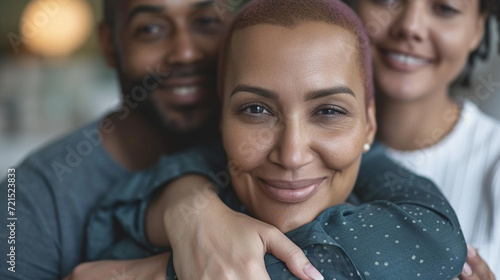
255, 90
154, 9
149, 9
311, 96
203, 4
329, 91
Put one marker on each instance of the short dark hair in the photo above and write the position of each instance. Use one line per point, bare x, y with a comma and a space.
291, 13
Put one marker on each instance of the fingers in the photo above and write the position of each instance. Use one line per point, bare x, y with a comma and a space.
475, 268
282, 248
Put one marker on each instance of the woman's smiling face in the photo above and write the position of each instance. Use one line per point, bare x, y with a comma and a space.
294, 119
420, 47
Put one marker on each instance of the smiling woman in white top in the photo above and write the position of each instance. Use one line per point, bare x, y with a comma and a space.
419, 50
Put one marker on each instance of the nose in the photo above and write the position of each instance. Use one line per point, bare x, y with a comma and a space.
410, 23
292, 150
185, 49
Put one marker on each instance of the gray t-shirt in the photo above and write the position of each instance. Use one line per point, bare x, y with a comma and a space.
56, 189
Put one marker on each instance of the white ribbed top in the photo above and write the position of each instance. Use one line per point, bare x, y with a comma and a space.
465, 165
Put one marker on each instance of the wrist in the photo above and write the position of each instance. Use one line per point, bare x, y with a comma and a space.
186, 213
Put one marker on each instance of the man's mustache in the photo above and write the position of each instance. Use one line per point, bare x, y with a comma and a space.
190, 71
158, 77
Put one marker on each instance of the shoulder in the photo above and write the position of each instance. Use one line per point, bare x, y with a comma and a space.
475, 121
61, 156
57, 147
484, 134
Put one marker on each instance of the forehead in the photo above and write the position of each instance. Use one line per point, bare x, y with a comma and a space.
312, 54
468, 5
130, 8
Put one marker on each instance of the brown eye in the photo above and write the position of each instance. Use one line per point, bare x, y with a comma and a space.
256, 109
151, 31
331, 111
328, 112
207, 24
388, 2
446, 10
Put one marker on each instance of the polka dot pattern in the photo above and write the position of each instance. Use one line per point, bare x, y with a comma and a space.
392, 228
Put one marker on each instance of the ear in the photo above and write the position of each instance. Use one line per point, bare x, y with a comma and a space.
371, 123
106, 42
478, 32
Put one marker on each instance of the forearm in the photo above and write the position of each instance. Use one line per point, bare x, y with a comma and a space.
175, 204
209, 235
153, 268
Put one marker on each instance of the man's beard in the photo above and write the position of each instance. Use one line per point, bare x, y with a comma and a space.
191, 125
195, 119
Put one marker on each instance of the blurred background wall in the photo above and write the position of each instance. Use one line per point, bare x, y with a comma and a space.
485, 87
45, 94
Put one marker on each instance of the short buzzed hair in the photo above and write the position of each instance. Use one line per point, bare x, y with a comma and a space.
289, 13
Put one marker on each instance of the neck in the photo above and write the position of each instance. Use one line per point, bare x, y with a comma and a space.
137, 144
416, 124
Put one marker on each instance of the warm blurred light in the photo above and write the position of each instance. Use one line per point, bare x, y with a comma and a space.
56, 28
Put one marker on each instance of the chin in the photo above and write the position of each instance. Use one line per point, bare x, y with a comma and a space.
184, 127
189, 121
288, 223
401, 93
287, 217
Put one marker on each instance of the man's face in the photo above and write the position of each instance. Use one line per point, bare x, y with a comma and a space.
167, 50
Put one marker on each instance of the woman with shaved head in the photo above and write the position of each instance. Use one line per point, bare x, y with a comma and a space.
300, 70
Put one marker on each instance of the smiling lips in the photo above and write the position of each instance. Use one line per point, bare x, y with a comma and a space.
403, 61
186, 91
291, 191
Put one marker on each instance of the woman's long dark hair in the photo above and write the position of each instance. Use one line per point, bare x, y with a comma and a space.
492, 9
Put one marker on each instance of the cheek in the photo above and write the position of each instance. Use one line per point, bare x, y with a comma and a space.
446, 44
246, 146
208, 44
136, 59
341, 148
375, 21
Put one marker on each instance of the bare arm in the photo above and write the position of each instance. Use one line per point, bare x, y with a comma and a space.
153, 268
203, 232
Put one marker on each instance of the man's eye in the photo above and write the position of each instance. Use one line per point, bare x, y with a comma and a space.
208, 23
150, 29
388, 2
208, 20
